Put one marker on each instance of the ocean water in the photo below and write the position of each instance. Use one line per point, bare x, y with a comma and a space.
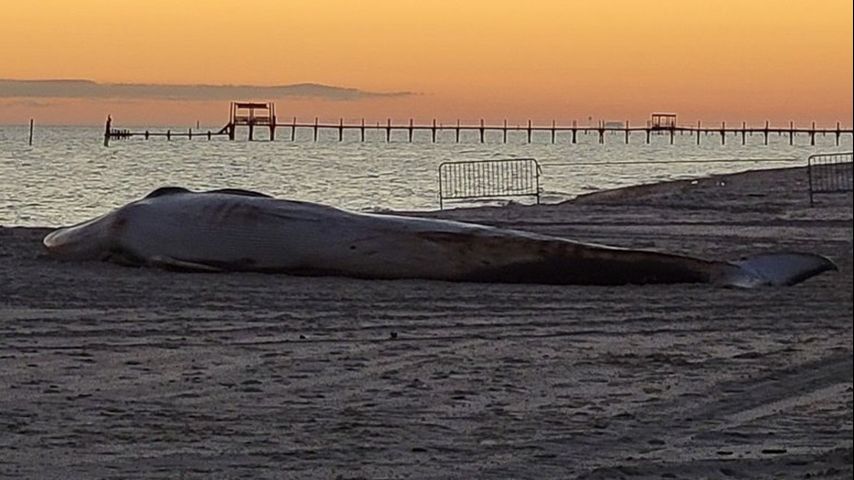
67, 175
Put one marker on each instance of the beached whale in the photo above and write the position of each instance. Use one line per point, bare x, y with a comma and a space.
239, 230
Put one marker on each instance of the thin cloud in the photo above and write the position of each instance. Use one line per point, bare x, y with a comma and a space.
87, 89
25, 103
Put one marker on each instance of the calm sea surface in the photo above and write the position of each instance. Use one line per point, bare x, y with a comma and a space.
68, 175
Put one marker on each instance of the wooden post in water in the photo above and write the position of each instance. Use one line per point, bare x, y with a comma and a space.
209, 134
601, 132
505, 132
699, 127
837, 133
743, 133
553, 131
168, 135
723, 133
529, 131
458, 130
362, 130
791, 132
648, 130
574, 130
30, 142
294, 129
315, 129
189, 134
340, 129
672, 133
481, 130
107, 131
812, 134
388, 130
433, 131
273, 122
627, 132
251, 130
410, 130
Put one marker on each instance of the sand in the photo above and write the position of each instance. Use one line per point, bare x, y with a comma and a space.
115, 372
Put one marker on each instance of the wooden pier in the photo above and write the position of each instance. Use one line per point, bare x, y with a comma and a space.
263, 115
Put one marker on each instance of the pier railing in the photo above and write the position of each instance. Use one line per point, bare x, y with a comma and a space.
830, 173
486, 179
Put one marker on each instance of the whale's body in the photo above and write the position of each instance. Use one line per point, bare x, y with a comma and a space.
236, 230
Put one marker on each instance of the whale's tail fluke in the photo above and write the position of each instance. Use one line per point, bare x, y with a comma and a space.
773, 269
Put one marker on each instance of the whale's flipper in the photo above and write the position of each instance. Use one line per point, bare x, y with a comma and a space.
773, 269
169, 263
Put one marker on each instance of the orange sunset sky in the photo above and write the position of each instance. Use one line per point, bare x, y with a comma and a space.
715, 60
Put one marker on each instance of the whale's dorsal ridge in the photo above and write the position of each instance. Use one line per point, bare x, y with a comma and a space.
239, 191
163, 191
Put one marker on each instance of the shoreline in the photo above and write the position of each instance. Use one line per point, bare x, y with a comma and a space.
141, 373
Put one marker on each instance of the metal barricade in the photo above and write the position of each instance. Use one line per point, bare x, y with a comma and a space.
829, 173
483, 179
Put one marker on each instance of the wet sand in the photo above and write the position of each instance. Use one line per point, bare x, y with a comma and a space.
115, 372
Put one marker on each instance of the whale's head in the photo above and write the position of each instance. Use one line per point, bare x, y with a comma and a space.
90, 240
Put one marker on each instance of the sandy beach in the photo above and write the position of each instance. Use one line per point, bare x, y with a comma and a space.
116, 372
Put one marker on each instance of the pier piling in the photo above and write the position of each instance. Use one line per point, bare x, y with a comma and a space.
107, 131
30, 142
